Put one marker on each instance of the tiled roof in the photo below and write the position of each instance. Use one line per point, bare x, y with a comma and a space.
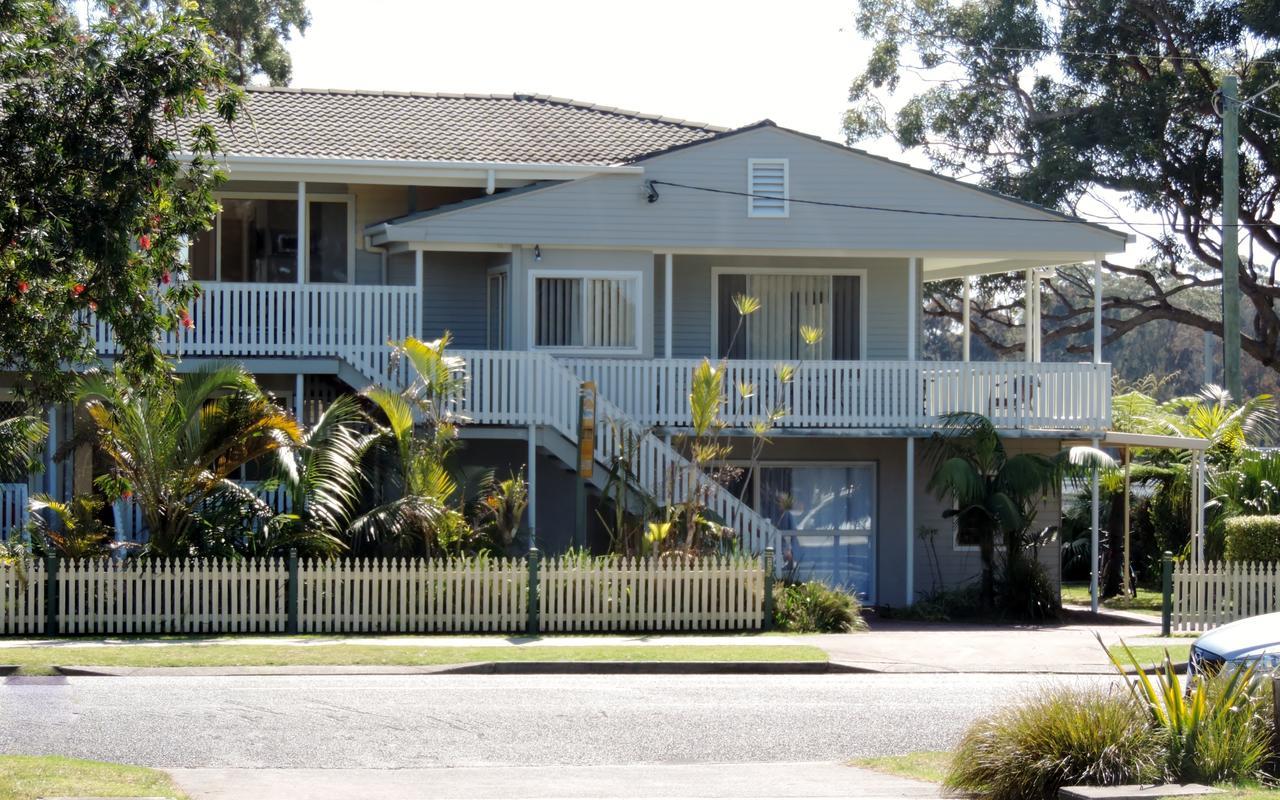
308, 123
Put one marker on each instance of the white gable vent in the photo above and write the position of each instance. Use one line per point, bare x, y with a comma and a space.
767, 187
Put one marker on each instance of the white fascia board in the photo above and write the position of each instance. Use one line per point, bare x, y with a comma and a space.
417, 173
1003, 265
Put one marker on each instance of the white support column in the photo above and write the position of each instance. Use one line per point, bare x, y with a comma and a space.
302, 232
1037, 329
913, 308
299, 402
911, 521
419, 270
531, 510
1097, 310
1029, 318
302, 328
669, 293
1197, 506
1094, 514
964, 317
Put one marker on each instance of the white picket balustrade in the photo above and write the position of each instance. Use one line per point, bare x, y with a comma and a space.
22, 588
108, 596
292, 320
1215, 593
651, 594
413, 595
13, 508
863, 394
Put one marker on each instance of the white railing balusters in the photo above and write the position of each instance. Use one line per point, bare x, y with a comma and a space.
286, 319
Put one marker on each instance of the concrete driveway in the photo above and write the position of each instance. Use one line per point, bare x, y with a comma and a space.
906, 647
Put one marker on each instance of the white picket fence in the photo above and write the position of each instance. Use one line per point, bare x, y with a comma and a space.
108, 596
1208, 595
634, 594
413, 595
22, 588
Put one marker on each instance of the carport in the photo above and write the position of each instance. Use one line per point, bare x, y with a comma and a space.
1126, 443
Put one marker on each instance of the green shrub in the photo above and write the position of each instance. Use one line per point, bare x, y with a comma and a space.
814, 607
1213, 731
1062, 737
1253, 538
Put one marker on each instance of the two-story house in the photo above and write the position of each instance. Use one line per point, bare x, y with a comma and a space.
561, 242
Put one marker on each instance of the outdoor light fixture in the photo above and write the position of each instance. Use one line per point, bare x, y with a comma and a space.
537, 252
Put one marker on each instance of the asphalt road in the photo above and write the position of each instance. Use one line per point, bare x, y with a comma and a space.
454, 721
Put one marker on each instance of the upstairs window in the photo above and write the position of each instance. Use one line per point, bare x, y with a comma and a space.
594, 311
788, 302
767, 187
255, 240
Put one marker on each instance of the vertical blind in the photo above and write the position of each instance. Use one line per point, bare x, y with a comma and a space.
590, 312
831, 303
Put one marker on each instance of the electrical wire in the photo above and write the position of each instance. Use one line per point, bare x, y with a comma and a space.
1105, 54
924, 212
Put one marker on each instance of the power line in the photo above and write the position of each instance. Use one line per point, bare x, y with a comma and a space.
918, 211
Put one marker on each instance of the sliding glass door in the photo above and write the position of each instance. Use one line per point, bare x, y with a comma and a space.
789, 302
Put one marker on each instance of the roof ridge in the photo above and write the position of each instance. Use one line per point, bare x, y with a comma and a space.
514, 96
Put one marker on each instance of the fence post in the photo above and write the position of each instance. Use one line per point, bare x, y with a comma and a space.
51, 596
291, 593
767, 624
531, 623
1166, 588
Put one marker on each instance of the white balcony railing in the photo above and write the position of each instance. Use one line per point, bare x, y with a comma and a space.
865, 394
292, 320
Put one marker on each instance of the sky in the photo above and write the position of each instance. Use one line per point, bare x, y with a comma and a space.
726, 63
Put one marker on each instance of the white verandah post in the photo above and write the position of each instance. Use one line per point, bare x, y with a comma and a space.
965, 340
1029, 317
302, 334
1094, 513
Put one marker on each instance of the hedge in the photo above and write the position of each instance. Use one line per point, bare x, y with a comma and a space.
1253, 538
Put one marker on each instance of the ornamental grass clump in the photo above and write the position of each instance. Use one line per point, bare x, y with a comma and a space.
1062, 737
814, 607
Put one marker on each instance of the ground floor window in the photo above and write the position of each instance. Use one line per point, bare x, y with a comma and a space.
827, 515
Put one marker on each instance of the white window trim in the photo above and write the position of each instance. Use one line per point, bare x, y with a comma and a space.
349, 199
531, 330
860, 274
786, 188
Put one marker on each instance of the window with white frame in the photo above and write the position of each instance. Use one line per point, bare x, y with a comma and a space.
768, 186
789, 302
254, 239
585, 311
826, 515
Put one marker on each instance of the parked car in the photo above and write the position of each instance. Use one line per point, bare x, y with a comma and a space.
1252, 640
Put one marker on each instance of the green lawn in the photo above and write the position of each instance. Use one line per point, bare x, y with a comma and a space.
30, 777
1151, 654
928, 766
1148, 601
42, 660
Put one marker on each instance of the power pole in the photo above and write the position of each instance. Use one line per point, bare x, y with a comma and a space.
1231, 236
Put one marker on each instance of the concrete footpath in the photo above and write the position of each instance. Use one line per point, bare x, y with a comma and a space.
787, 780
890, 646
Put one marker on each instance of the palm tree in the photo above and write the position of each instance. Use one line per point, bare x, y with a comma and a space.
421, 433
20, 440
323, 477
996, 495
173, 448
